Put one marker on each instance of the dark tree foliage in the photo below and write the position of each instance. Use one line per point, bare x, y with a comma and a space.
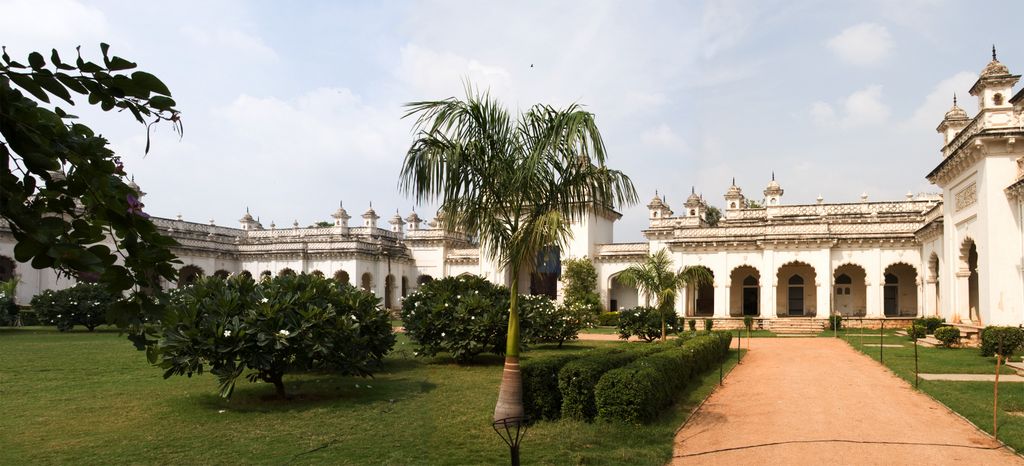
64, 193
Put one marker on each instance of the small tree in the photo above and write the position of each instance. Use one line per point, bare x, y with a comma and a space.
580, 279
712, 215
655, 278
262, 331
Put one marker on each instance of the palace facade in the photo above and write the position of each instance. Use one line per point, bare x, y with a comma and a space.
958, 254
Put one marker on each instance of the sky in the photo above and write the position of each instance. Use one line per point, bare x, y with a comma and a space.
292, 107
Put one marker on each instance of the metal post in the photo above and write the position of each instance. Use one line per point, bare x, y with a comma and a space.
881, 342
916, 371
995, 394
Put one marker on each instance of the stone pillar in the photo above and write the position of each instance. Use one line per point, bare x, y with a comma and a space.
962, 297
722, 305
920, 297
824, 299
874, 299
931, 307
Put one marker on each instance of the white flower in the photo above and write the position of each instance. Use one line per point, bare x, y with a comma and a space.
472, 317
442, 334
357, 385
227, 333
264, 300
458, 296
58, 315
369, 386
353, 317
284, 333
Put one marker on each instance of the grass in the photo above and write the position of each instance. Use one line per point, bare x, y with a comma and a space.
973, 400
91, 398
601, 330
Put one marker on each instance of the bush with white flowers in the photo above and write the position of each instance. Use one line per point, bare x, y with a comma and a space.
464, 316
240, 328
84, 304
549, 322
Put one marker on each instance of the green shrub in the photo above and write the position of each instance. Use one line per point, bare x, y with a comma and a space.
84, 304
580, 279
930, 323
835, 322
917, 331
608, 319
645, 323
693, 325
548, 322
1002, 340
464, 315
641, 390
948, 335
748, 323
708, 324
576, 380
28, 317
262, 331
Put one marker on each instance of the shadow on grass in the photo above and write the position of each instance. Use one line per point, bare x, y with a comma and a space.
313, 391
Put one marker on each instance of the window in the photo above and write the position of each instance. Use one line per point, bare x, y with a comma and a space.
997, 99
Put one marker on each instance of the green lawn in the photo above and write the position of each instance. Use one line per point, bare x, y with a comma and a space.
91, 398
973, 400
601, 330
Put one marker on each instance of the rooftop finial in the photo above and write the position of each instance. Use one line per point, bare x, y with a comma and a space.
655, 193
773, 175
994, 52
341, 204
693, 190
954, 99
734, 181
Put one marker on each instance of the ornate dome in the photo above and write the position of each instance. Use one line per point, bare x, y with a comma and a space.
413, 218
956, 113
656, 202
694, 199
341, 213
734, 190
994, 67
370, 213
396, 219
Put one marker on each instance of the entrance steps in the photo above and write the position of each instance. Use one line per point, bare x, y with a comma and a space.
797, 326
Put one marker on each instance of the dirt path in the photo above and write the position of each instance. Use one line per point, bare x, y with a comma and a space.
818, 401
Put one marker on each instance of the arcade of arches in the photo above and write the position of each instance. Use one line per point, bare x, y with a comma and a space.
799, 290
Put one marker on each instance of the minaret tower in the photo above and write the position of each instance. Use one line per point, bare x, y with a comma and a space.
734, 200
341, 219
694, 205
370, 217
956, 120
658, 208
773, 193
993, 87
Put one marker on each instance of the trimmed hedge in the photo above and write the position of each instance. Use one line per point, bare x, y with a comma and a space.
637, 392
577, 379
608, 319
541, 396
917, 331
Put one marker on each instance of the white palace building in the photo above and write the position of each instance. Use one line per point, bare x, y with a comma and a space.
958, 254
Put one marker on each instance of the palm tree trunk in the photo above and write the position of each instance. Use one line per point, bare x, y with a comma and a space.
510, 395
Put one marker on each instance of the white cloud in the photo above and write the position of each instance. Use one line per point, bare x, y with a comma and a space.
864, 44
45, 24
234, 40
724, 23
438, 74
861, 108
939, 100
663, 136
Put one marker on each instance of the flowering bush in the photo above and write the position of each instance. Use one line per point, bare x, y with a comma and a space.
645, 322
553, 323
464, 315
83, 304
238, 327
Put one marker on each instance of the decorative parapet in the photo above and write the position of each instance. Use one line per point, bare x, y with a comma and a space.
622, 251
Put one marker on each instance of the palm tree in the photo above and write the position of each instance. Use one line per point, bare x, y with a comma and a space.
515, 181
654, 278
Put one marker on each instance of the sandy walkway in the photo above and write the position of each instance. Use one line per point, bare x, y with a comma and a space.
818, 401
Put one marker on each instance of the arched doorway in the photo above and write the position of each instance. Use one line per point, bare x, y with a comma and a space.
850, 290
797, 291
544, 280
341, 277
7, 267
899, 290
703, 296
745, 292
621, 296
367, 282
